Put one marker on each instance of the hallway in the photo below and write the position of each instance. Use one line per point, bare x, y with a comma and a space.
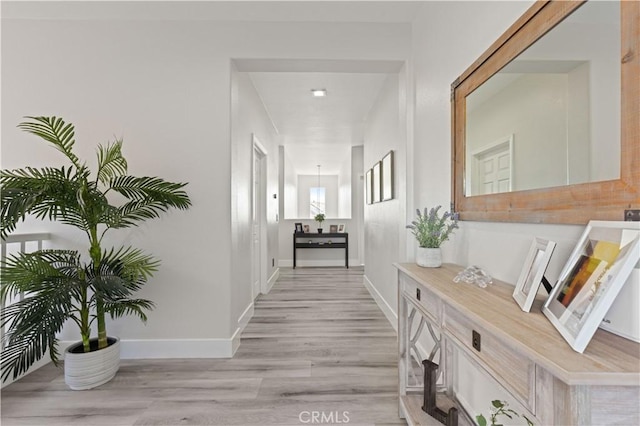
317, 350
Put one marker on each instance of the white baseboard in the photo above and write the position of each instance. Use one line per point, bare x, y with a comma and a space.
173, 348
235, 341
272, 280
288, 263
387, 310
245, 317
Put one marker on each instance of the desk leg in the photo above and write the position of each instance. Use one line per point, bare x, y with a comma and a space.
346, 251
294, 252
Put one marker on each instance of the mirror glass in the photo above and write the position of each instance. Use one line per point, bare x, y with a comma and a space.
551, 117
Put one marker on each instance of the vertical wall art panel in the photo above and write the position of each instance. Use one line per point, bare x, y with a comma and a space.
377, 187
387, 177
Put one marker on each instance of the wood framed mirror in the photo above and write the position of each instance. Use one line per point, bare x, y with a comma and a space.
511, 185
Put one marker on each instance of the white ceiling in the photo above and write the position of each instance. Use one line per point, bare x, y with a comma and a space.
318, 130
238, 10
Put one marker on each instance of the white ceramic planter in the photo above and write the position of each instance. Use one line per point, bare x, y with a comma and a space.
429, 257
87, 370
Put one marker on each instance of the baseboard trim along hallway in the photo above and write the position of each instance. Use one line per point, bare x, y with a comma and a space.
386, 309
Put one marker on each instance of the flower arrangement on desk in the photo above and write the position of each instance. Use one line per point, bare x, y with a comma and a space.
431, 230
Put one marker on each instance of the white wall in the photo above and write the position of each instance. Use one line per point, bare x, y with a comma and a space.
344, 188
289, 185
166, 87
385, 233
249, 118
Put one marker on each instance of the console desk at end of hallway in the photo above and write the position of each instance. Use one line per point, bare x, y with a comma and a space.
306, 240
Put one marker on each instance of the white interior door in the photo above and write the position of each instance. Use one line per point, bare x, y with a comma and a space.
493, 168
255, 288
259, 220
494, 173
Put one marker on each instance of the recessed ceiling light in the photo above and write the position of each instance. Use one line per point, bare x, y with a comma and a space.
319, 93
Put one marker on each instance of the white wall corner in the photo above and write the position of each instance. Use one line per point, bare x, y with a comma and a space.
272, 280
386, 309
245, 317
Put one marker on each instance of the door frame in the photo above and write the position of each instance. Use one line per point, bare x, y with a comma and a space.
258, 150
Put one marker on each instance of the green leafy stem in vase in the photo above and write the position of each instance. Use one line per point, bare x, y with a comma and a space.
431, 229
500, 408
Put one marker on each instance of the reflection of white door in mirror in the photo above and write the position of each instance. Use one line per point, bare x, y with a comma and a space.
492, 168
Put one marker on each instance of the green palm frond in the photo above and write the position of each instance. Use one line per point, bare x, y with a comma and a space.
133, 212
92, 204
33, 325
149, 197
47, 193
56, 131
33, 272
119, 275
111, 163
120, 308
134, 262
152, 190
51, 283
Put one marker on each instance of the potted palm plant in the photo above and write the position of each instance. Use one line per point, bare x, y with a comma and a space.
431, 230
61, 285
319, 218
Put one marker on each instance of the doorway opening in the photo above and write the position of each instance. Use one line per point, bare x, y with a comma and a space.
259, 220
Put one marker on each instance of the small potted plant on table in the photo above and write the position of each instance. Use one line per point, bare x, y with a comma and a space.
319, 218
431, 231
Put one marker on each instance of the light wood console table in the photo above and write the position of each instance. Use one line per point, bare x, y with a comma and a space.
521, 351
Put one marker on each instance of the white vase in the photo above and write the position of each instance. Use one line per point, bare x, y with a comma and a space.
429, 257
87, 370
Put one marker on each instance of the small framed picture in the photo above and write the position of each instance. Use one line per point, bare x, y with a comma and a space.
298, 228
368, 186
306, 229
341, 228
387, 177
376, 182
333, 229
591, 279
532, 272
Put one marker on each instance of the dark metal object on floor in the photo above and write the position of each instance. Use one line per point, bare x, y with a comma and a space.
449, 418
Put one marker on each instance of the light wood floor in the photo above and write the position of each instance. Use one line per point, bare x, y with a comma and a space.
317, 343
